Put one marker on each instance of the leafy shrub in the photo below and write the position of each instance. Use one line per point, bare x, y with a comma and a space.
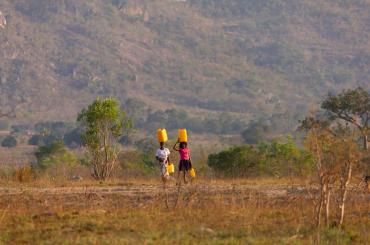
54, 154
269, 159
284, 159
9, 141
57, 162
236, 161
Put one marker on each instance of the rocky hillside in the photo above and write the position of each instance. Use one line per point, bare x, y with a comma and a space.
249, 58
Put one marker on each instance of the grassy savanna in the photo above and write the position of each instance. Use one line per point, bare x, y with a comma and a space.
274, 192
215, 213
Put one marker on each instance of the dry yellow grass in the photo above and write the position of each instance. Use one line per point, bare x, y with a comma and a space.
217, 212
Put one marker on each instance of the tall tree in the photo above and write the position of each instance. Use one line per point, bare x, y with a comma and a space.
102, 124
352, 106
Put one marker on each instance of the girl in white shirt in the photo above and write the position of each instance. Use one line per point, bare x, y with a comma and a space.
162, 156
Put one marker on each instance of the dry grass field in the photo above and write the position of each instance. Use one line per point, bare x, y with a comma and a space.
208, 212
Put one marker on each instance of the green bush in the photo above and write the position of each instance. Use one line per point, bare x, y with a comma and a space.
267, 159
284, 159
9, 141
55, 154
236, 161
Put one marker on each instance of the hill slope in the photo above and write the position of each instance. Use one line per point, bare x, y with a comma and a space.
249, 58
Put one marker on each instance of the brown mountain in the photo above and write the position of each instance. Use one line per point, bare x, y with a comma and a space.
250, 58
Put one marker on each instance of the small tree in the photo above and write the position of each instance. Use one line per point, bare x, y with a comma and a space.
9, 141
335, 153
102, 124
352, 106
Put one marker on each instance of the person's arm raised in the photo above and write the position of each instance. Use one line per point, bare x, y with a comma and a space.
174, 146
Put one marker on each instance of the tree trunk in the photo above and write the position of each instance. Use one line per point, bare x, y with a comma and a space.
321, 179
320, 207
344, 196
106, 161
366, 142
327, 206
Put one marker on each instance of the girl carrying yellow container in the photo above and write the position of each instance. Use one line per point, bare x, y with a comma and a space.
185, 165
163, 154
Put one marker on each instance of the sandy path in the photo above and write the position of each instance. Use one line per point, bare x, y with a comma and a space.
138, 190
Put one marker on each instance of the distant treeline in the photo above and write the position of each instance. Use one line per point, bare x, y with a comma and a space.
222, 123
147, 120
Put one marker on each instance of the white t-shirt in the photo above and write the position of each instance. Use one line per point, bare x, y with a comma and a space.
163, 153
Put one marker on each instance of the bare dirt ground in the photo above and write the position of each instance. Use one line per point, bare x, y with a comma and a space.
151, 190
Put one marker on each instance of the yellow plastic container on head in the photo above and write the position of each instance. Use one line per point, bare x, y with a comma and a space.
170, 168
162, 135
192, 172
183, 136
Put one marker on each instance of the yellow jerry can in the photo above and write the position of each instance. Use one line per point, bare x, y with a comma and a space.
183, 136
192, 172
162, 135
170, 168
